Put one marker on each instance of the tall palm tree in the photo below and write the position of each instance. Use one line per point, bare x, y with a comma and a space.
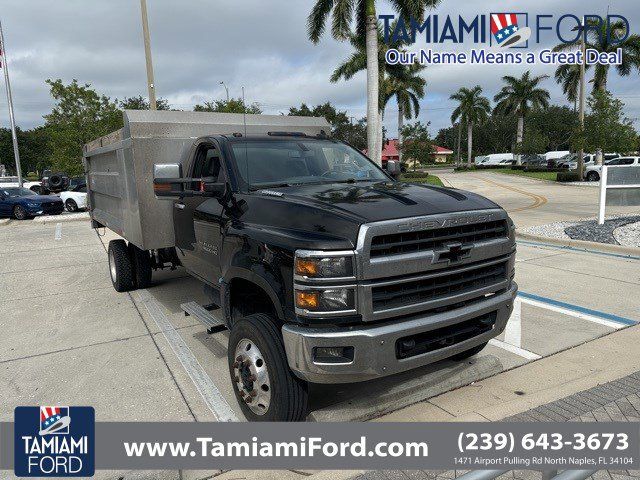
407, 87
568, 77
342, 14
391, 77
518, 97
598, 39
473, 108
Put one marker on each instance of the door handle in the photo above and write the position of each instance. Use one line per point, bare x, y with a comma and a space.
179, 206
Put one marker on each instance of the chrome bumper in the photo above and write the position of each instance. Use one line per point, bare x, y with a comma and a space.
375, 346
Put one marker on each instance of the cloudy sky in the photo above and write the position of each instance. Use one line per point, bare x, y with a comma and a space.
259, 44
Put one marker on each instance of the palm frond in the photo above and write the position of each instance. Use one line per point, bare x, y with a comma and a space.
317, 19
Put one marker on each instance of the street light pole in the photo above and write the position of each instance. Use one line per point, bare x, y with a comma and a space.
226, 89
147, 54
7, 84
583, 47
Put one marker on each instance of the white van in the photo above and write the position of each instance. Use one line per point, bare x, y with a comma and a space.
480, 159
498, 159
556, 154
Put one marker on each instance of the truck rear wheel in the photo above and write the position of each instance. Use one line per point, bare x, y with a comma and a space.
141, 263
265, 387
120, 266
469, 353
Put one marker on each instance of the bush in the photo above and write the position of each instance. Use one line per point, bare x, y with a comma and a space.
568, 177
518, 167
415, 174
544, 169
466, 168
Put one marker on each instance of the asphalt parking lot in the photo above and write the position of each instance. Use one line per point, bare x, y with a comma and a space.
68, 337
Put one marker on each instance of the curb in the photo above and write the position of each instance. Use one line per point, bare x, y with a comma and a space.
582, 244
46, 219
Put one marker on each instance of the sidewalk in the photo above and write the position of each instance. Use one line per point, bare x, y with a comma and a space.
616, 401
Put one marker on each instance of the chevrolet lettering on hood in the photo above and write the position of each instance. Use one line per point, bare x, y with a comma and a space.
447, 222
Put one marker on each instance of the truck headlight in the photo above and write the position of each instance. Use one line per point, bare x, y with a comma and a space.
326, 300
309, 265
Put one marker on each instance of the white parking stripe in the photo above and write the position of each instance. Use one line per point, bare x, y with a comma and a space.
58, 234
513, 349
573, 313
513, 330
210, 393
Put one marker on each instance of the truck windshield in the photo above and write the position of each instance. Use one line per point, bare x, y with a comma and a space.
302, 161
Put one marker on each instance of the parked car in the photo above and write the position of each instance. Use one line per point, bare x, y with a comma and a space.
75, 199
592, 173
534, 160
13, 182
22, 203
322, 274
498, 159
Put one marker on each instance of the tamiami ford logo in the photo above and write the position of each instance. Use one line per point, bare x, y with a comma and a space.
54, 441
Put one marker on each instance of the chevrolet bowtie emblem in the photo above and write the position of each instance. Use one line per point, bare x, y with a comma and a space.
452, 252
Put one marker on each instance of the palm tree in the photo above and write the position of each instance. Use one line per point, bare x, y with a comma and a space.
408, 88
518, 96
608, 42
473, 108
357, 62
342, 14
568, 77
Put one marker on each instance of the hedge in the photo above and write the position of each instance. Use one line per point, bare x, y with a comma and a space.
568, 177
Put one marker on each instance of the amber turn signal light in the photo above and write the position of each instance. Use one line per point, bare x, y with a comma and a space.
306, 267
307, 300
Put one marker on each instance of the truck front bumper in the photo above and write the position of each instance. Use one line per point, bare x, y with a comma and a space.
375, 347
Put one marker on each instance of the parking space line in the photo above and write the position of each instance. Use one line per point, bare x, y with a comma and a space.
58, 234
596, 316
513, 330
513, 349
210, 393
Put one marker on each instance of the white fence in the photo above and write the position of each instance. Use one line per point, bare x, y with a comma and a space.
620, 186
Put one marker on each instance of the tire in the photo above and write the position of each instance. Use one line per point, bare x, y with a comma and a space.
469, 353
141, 263
120, 267
71, 205
593, 176
19, 213
286, 394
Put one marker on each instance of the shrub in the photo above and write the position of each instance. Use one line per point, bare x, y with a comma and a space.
518, 167
568, 177
466, 168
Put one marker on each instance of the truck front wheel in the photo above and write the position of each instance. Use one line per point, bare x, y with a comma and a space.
120, 266
264, 385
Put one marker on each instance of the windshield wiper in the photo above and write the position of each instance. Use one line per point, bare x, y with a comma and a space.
353, 180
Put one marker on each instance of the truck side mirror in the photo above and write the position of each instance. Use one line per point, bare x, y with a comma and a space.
213, 189
167, 180
393, 168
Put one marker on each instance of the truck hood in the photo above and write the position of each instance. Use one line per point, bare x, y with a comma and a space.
371, 202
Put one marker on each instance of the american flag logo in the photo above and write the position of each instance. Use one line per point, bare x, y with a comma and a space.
505, 30
54, 420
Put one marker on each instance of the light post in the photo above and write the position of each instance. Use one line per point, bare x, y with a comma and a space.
147, 53
7, 84
226, 89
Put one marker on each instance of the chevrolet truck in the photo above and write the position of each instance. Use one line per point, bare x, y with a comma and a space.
322, 266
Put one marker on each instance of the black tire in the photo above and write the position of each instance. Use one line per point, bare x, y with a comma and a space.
141, 263
19, 213
593, 176
289, 394
71, 205
469, 353
120, 267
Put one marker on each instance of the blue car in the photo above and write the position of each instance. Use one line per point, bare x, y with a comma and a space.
22, 203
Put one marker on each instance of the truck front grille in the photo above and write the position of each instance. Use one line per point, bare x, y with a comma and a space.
409, 242
440, 285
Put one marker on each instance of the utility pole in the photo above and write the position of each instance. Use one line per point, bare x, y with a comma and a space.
583, 48
226, 90
147, 54
7, 84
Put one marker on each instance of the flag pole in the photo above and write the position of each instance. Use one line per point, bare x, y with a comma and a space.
7, 84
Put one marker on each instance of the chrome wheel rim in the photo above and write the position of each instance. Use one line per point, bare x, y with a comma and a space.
20, 213
251, 377
112, 267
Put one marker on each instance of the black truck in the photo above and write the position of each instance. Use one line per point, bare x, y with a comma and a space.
322, 266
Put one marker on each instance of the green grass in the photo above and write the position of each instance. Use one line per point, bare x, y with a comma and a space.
507, 171
431, 180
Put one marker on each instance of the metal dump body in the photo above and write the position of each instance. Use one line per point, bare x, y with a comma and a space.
119, 166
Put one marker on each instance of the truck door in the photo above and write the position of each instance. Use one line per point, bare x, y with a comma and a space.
198, 220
